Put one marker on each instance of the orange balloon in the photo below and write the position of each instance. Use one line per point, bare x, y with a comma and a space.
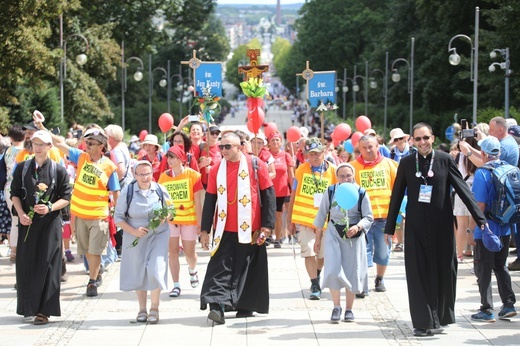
142, 135
342, 131
294, 134
165, 122
363, 123
355, 138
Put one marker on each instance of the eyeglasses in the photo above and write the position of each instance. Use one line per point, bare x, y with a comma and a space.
214, 133
91, 144
311, 146
143, 175
226, 146
399, 139
39, 145
425, 138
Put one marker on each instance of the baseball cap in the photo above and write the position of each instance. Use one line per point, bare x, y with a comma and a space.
514, 131
96, 134
214, 128
490, 145
44, 136
31, 126
314, 145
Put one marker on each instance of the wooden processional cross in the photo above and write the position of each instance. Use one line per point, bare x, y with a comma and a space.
253, 70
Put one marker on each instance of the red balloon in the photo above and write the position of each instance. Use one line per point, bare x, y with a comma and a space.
355, 138
142, 135
363, 123
165, 122
294, 134
270, 128
256, 118
342, 131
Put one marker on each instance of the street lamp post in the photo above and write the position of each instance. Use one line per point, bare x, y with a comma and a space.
454, 59
162, 83
396, 77
81, 59
138, 76
504, 66
373, 85
344, 90
355, 86
366, 88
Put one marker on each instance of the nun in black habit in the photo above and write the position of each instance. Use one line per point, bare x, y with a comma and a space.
430, 258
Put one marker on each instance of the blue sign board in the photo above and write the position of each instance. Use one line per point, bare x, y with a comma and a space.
450, 133
209, 74
322, 88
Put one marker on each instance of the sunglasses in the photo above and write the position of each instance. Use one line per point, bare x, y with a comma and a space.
425, 138
398, 139
214, 133
91, 144
226, 146
312, 146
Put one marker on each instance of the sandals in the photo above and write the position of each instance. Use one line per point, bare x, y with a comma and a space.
153, 316
40, 319
398, 247
194, 279
142, 316
175, 292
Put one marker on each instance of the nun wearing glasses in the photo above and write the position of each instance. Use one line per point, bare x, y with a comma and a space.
344, 244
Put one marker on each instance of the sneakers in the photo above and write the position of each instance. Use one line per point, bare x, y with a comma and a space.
194, 279
420, 332
216, 314
514, 266
315, 292
69, 256
361, 295
349, 316
483, 316
92, 290
506, 312
380, 286
336, 315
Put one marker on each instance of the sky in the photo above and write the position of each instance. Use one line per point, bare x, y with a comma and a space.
261, 2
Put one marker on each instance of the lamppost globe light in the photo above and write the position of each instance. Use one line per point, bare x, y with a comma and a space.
373, 84
355, 87
396, 77
337, 88
81, 59
493, 55
492, 68
138, 76
454, 59
163, 82
345, 89
178, 87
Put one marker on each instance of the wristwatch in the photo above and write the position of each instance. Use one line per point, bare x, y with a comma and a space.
49, 205
469, 154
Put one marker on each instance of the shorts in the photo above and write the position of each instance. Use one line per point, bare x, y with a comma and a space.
186, 232
66, 231
280, 201
459, 208
306, 239
91, 236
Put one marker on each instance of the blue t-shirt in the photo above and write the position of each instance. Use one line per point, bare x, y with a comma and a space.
484, 192
113, 180
509, 150
383, 150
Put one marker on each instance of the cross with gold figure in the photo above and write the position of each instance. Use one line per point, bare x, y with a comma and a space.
253, 70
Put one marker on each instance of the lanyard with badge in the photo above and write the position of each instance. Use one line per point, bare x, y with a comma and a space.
425, 191
318, 196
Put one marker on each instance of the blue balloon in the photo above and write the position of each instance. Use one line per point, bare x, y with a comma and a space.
399, 218
347, 195
403, 205
348, 146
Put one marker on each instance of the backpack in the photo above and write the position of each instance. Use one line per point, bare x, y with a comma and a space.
130, 195
505, 208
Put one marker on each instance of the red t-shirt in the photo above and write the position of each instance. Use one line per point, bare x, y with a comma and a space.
232, 198
156, 164
216, 157
282, 161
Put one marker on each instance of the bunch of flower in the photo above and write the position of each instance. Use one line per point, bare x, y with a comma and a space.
327, 108
254, 88
208, 104
158, 214
41, 189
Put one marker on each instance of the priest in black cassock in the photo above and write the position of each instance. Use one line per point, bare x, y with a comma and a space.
430, 258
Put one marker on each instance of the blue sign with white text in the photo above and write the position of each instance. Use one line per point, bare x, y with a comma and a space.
322, 88
209, 74
450, 133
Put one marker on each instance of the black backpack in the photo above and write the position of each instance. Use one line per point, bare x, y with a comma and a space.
332, 190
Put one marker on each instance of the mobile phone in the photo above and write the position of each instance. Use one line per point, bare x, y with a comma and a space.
193, 118
463, 124
55, 131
